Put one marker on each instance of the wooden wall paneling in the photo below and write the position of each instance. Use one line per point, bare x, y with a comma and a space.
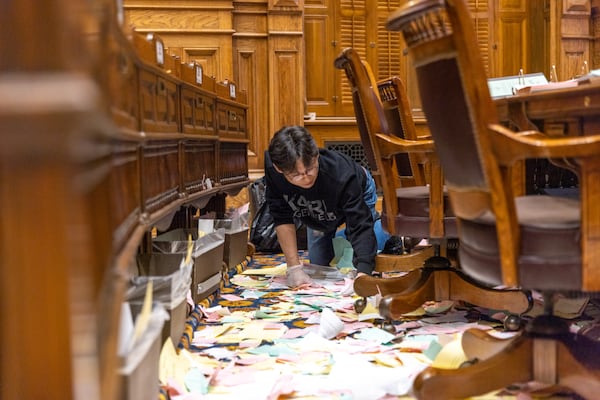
511, 38
125, 190
231, 113
167, 105
539, 34
199, 30
233, 164
159, 101
355, 27
233, 134
197, 111
333, 130
320, 44
199, 164
595, 31
252, 62
160, 177
576, 37
208, 56
287, 96
121, 83
286, 63
250, 65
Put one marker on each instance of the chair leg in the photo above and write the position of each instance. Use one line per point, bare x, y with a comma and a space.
462, 287
405, 262
511, 365
578, 365
546, 352
576, 358
450, 284
479, 345
367, 286
393, 306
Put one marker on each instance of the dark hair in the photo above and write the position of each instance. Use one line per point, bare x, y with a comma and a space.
292, 143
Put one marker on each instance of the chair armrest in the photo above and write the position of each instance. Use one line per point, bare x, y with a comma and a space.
510, 146
392, 145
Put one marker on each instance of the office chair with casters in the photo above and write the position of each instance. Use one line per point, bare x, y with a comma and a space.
413, 211
536, 242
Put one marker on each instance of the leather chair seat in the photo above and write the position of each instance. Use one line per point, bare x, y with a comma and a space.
552, 248
414, 212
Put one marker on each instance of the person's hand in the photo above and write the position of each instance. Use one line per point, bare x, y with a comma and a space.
296, 276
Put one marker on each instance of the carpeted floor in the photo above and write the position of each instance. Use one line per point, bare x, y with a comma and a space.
256, 339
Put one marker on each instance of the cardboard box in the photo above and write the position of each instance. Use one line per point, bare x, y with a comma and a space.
236, 238
140, 364
207, 255
171, 283
236, 247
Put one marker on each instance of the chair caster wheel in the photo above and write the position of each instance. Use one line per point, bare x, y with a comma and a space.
360, 305
388, 326
512, 322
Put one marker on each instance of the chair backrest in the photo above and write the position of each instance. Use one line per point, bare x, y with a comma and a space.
453, 87
385, 112
396, 107
382, 112
370, 117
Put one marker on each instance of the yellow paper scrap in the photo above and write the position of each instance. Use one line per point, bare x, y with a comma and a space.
419, 312
171, 366
370, 312
451, 356
141, 322
277, 270
190, 248
247, 282
252, 330
388, 360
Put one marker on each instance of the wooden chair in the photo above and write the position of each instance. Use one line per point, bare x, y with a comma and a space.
414, 211
537, 242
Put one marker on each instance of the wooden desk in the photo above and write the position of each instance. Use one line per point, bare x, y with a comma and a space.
572, 111
558, 112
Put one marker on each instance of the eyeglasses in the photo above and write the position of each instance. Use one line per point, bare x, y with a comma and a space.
310, 171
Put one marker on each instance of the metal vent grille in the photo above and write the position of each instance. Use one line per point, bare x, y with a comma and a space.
355, 150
